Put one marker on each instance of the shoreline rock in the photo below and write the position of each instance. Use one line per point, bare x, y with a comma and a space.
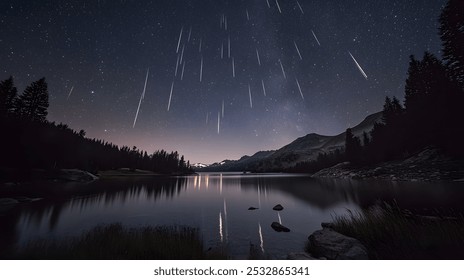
329, 244
279, 228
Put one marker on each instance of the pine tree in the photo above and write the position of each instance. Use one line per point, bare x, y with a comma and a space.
352, 146
452, 36
8, 95
34, 101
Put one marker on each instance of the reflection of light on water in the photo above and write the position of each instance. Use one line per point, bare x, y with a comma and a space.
280, 220
220, 227
261, 237
225, 218
207, 181
199, 182
220, 183
195, 182
259, 196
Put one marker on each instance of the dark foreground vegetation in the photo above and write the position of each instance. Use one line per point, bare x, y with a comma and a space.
389, 232
117, 242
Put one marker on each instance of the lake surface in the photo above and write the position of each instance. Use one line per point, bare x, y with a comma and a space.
216, 203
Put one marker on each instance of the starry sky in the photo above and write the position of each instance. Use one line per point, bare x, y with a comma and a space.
324, 65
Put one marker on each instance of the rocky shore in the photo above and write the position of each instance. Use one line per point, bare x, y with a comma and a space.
327, 244
428, 165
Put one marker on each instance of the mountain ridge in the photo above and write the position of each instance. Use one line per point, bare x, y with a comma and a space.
302, 149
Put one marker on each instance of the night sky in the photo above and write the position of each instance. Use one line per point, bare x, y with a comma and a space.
95, 56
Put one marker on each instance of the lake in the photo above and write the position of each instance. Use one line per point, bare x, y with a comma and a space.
216, 203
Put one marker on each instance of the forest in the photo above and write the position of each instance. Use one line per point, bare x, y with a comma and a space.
30, 141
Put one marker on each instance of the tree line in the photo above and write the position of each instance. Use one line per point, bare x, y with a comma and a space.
432, 112
30, 141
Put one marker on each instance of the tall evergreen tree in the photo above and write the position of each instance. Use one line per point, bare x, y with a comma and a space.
452, 36
352, 146
8, 95
35, 101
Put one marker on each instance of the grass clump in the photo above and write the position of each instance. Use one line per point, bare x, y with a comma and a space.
117, 242
389, 232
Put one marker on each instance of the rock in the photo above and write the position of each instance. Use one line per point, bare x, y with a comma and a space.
278, 207
279, 228
76, 175
253, 208
300, 256
335, 246
327, 225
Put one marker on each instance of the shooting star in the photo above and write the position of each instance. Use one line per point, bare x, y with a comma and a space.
299, 6
180, 37
257, 56
264, 89
278, 6
177, 66
219, 122
141, 98
315, 37
201, 69
299, 88
268, 5
199, 46
233, 67
225, 22
182, 54
228, 46
247, 14
249, 93
359, 66
190, 34
298, 50
69, 94
182, 74
282, 67
170, 95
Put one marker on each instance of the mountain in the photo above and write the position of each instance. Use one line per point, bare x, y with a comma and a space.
302, 149
199, 165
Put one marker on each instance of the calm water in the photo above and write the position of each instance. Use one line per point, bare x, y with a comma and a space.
215, 203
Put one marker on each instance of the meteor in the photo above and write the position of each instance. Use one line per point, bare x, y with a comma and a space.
359, 66
141, 98
180, 37
70, 92
298, 50
170, 95
315, 37
299, 88
282, 67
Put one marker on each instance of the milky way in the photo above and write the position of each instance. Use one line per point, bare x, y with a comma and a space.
279, 69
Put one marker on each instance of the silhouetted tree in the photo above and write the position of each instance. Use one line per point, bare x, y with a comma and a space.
8, 95
34, 101
452, 36
352, 146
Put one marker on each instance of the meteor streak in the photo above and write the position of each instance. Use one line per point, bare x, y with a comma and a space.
282, 67
257, 56
249, 93
264, 89
201, 69
299, 88
170, 95
315, 37
299, 6
70, 92
298, 50
141, 98
219, 122
182, 74
278, 6
359, 66
233, 67
180, 37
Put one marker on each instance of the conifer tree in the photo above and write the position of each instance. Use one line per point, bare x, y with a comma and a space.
8, 95
34, 101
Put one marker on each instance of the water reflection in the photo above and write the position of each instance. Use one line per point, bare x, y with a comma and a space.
216, 203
